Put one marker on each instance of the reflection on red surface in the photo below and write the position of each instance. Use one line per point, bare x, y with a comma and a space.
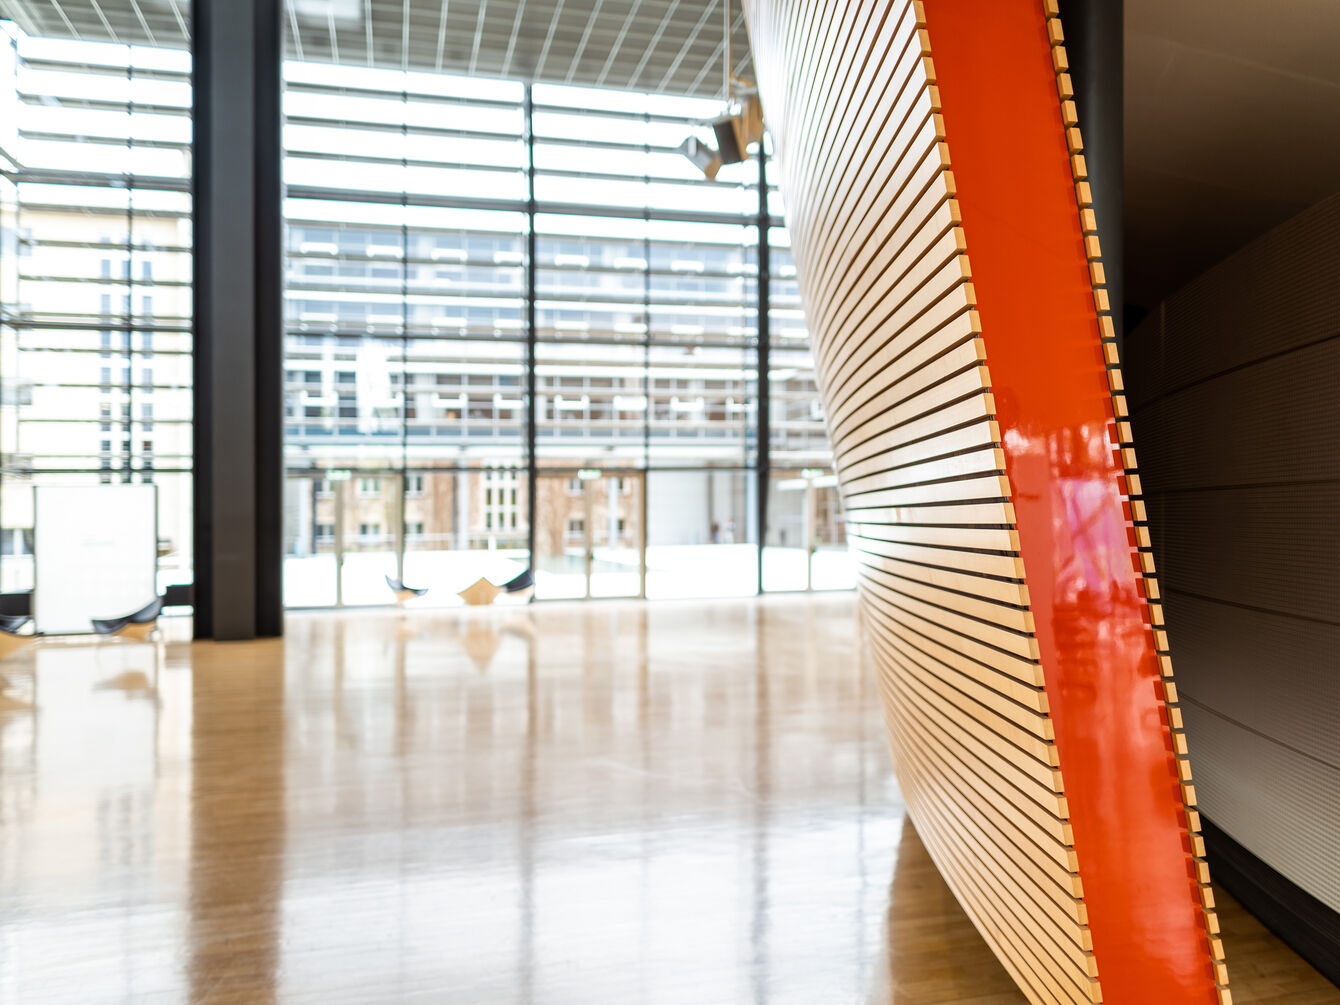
1021, 221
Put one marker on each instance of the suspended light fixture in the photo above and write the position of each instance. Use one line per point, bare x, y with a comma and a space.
735, 130
704, 158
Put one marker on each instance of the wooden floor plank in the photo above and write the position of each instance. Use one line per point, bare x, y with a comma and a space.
604, 802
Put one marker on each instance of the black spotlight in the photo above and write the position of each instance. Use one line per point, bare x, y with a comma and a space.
730, 142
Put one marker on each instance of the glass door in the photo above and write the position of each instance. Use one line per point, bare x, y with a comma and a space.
807, 534
310, 560
786, 557
367, 535
614, 536
560, 537
831, 564
341, 537
589, 535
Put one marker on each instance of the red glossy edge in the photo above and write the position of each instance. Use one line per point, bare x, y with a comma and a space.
1021, 221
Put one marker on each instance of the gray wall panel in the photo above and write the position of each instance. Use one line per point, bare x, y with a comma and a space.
1272, 799
1279, 293
1256, 672
1233, 383
1241, 425
1270, 548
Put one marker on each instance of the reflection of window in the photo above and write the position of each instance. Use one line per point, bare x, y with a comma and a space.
369, 486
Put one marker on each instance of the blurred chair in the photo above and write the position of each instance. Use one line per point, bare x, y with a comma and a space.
10, 639
521, 587
404, 594
139, 625
480, 593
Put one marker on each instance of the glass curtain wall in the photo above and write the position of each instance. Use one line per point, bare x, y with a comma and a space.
95, 282
458, 246
806, 542
405, 347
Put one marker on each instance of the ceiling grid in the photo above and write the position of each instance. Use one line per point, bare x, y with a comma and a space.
671, 46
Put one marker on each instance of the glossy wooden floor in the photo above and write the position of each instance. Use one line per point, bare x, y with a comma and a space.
613, 802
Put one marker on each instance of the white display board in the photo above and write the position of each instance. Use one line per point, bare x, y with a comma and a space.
95, 551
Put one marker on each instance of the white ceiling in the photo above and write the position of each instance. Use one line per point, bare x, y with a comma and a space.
671, 46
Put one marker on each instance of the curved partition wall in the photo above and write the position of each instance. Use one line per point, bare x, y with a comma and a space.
979, 426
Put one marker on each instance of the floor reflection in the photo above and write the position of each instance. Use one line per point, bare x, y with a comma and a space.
933, 953
569, 803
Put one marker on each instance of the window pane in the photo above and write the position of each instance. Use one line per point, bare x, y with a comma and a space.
700, 534
95, 282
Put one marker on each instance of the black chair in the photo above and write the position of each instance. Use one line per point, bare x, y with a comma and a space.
139, 625
524, 581
11, 623
10, 639
403, 593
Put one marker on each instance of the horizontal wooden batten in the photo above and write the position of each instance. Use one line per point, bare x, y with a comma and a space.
999, 566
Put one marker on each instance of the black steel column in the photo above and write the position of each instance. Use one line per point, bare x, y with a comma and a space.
763, 416
1095, 44
239, 478
532, 472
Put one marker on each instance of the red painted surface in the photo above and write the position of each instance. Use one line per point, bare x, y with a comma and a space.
1021, 221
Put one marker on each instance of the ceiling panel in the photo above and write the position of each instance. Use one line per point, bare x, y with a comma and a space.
1231, 108
671, 46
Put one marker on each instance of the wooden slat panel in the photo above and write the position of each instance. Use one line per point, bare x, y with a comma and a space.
1012, 664
863, 130
866, 165
964, 561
